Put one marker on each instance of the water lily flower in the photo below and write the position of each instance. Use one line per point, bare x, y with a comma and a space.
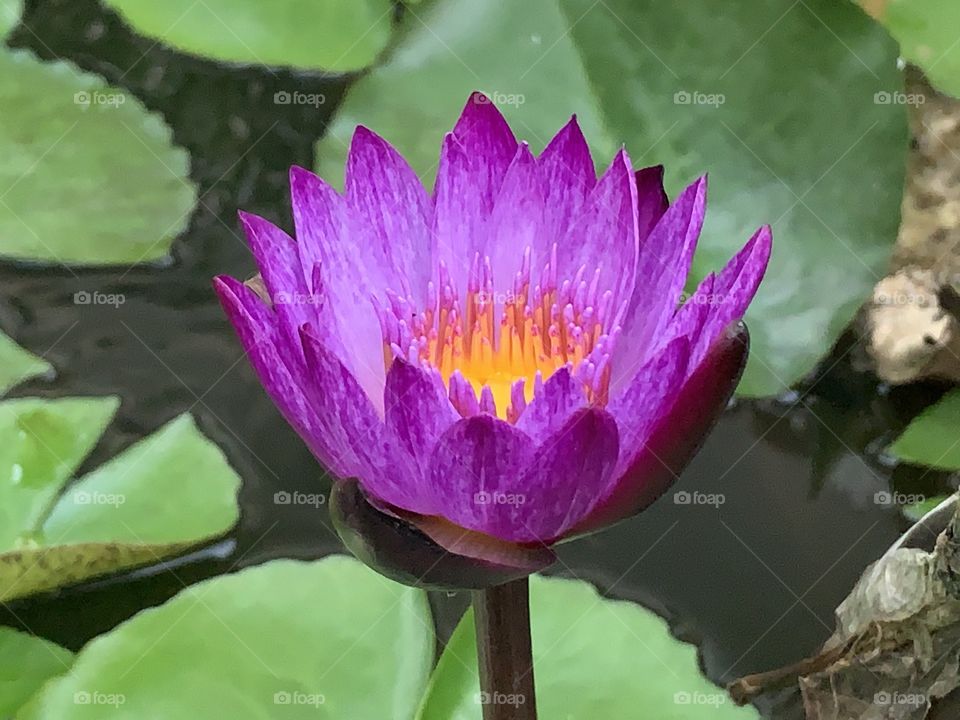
503, 363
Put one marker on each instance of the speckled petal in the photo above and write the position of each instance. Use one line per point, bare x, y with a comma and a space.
677, 435
475, 472
473, 162
563, 479
280, 369
392, 213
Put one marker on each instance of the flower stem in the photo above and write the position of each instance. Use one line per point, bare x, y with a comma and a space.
504, 650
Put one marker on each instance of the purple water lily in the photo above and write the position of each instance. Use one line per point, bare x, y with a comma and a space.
506, 360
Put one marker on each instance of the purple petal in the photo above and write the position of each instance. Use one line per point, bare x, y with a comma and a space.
276, 256
417, 414
568, 177
392, 213
351, 423
473, 162
559, 397
563, 478
516, 222
349, 276
475, 472
280, 369
652, 200
665, 259
677, 435
734, 288
646, 398
605, 234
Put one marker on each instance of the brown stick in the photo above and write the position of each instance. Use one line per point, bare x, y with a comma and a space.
505, 652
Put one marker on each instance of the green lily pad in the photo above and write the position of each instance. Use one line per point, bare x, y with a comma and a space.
933, 438
157, 498
594, 658
328, 639
743, 98
26, 663
87, 175
926, 30
17, 365
339, 35
915, 511
10, 11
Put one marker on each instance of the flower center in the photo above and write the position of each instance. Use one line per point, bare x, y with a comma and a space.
501, 345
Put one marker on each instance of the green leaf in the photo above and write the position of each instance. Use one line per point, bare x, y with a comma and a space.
17, 365
594, 658
328, 639
87, 175
159, 497
915, 511
742, 97
933, 438
339, 35
26, 663
926, 30
10, 11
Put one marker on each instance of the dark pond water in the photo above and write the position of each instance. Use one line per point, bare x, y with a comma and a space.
753, 581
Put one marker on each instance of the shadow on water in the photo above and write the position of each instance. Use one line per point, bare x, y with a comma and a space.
753, 580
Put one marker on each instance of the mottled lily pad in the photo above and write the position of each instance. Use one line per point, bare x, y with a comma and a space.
741, 96
87, 175
328, 639
337, 35
162, 495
